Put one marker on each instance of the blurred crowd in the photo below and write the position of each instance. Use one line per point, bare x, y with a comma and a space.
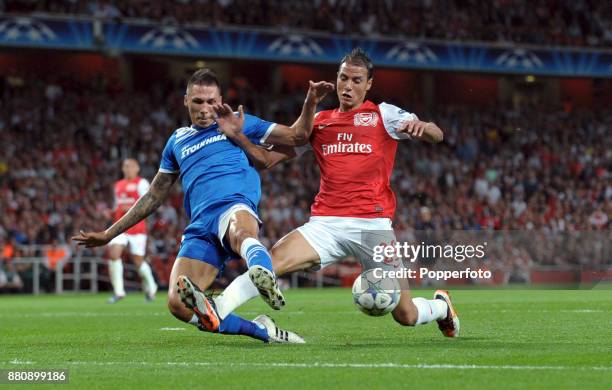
544, 170
544, 22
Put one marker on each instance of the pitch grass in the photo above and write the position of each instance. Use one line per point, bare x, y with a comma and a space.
510, 339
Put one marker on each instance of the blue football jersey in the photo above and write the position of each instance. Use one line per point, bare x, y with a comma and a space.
214, 171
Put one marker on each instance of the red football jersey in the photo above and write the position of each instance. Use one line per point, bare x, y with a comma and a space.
355, 151
127, 192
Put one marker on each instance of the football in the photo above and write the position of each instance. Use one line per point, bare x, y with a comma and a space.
375, 296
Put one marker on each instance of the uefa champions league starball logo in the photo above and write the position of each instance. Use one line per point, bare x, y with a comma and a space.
519, 58
19, 29
168, 37
295, 44
411, 52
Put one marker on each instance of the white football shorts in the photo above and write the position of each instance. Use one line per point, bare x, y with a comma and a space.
137, 243
224, 219
335, 238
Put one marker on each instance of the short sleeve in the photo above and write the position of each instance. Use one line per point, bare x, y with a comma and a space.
393, 117
143, 187
168, 161
256, 129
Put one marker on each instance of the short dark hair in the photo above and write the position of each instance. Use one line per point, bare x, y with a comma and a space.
359, 57
204, 76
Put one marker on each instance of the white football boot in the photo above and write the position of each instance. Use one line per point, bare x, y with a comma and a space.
150, 295
276, 334
115, 299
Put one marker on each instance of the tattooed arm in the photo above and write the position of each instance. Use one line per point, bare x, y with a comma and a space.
147, 204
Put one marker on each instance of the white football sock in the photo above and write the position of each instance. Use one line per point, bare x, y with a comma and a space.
146, 275
115, 269
194, 320
240, 291
429, 309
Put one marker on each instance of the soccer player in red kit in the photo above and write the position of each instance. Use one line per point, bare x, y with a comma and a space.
355, 148
127, 191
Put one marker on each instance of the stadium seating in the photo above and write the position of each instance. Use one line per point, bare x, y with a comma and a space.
545, 22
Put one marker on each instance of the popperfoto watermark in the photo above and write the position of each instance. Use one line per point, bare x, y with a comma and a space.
422, 272
565, 259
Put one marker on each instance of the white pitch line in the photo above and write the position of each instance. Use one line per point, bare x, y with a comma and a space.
340, 365
17, 361
172, 329
582, 311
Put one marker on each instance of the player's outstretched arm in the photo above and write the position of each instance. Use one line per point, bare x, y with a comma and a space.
425, 131
232, 125
149, 202
298, 134
274, 156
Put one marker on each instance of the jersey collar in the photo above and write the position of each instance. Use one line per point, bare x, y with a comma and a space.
366, 104
200, 128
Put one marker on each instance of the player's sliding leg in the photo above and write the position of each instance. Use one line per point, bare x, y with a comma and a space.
417, 311
188, 303
239, 291
146, 277
291, 253
202, 274
115, 270
262, 327
205, 317
242, 233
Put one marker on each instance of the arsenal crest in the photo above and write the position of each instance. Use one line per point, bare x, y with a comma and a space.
366, 119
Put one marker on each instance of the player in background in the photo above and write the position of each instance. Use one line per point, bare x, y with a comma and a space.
221, 192
127, 191
355, 147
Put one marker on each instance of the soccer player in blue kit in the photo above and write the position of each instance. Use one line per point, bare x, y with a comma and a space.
221, 192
